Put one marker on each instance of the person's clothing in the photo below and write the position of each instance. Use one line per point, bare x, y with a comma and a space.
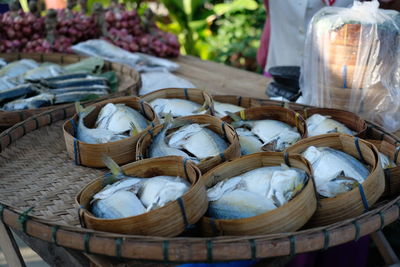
283, 39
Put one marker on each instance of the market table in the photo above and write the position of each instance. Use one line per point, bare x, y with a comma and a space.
213, 77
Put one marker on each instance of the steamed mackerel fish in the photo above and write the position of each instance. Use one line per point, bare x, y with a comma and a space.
318, 124
198, 140
113, 123
177, 107
274, 135
131, 196
159, 147
254, 192
335, 172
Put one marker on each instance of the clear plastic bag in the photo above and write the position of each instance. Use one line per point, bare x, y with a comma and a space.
352, 62
153, 81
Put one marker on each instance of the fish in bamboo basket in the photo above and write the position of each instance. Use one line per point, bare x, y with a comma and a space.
364, 194
104, 141
267, 128
259, 174
171, 219
180, 102
230, 103
217, 143
326, 120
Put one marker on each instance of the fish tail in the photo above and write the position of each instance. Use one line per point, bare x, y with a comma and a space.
83, 112
112, 165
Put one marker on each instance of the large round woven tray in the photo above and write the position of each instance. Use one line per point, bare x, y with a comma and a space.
128, 83
38, 184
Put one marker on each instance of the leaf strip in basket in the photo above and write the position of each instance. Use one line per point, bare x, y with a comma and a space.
209, 250
326, 239
357, 143
54, 230
74, 126
185, 160
183, 211
388, 177
185, 91
118, 245
382, 217
222, 156
10, 140
23, 218
152, 124
297, 120
363, 197
224, 130
396, 155
253, 248
292, 240
242, 114
50, 113
239, 100
165, 246
150, 131
86, 243
76, 151
286, 158
357, 227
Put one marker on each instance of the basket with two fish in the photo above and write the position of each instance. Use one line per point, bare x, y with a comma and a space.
33, 83
49, 212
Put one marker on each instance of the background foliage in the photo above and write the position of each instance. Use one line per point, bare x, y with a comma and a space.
226, 31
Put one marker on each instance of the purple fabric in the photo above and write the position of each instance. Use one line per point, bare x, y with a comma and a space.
351, 254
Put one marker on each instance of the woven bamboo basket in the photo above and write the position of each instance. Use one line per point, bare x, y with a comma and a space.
358, 200
198, 96
170, 220
289, 217
351, 120
288, 116
214, 124
46, 210
129, 83
392, 175
122, 151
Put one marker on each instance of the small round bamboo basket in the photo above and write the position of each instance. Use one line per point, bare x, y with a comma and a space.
287, 218
285, 115
129, 83
122, 151
392, 175
214, 124
358, 200
351, 120
198, 96
169, 220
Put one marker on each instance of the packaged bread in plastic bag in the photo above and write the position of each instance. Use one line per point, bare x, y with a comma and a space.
352, 62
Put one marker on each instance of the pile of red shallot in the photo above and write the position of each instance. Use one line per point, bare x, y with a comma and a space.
24, 32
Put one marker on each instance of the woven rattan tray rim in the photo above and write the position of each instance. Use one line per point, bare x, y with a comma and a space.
192, 249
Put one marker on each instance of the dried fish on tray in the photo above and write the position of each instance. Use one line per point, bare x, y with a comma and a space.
26, 84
